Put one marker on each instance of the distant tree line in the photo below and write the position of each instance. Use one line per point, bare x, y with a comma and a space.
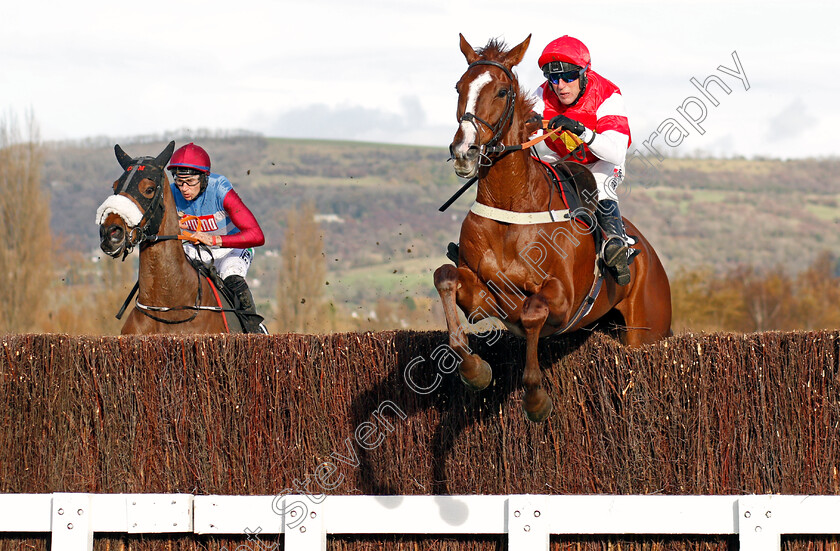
25, 238
745, 299
180, 135
47, 284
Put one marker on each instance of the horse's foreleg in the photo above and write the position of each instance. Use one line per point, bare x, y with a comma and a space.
453, 284
536, 402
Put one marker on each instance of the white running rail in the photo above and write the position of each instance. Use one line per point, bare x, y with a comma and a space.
72, 519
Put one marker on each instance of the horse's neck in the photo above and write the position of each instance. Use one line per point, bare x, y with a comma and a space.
166, 277
514, 183
165, 271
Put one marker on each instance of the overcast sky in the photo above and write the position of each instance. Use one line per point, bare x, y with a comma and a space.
385, 70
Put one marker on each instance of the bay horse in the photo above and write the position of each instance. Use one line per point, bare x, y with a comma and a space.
498, 275
172, 297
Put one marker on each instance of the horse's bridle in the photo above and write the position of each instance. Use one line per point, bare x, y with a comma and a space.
491, 147
506, 119
146, 231
129, 185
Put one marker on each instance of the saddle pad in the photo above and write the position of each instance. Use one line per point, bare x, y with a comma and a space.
223, 298
564, 183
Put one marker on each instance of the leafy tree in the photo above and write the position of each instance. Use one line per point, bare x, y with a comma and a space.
300, 294
767, 298
818, 291
88, 295
25, 240
747, 299
702, 302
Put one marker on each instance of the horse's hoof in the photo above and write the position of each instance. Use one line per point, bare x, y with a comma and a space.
621, 273
537, 405
476, 373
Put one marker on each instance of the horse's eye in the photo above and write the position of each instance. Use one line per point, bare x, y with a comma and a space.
503, 92
149, 192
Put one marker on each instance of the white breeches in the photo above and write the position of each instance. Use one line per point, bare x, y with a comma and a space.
608, 177
228, 262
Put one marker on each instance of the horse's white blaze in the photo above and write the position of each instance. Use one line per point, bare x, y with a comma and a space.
468, 129
121, 206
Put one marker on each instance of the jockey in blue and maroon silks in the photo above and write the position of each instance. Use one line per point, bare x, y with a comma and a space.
578, 99
222, 222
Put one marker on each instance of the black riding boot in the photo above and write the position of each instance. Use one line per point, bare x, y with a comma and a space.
247, 311
614, 250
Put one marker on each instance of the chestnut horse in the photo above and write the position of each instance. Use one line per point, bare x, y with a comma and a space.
172, 296
498, 274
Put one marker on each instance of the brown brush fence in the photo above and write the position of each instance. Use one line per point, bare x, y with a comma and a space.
247, 415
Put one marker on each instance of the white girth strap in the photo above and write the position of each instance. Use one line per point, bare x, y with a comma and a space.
512, 217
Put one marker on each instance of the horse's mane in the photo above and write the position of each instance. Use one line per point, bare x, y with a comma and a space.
497, 50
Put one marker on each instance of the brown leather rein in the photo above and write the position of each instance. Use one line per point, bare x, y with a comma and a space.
501, 148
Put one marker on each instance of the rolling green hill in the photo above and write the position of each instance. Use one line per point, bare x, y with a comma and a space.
385, 235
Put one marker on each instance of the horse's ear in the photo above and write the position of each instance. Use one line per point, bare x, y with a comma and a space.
123, 158
165, 155
515, 55
467, 50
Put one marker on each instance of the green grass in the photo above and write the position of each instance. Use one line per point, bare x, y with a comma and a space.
824, 213
392, 278
679, 196
710, 196
350, 145
743, 166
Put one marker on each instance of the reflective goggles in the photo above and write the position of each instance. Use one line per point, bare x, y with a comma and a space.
554, 77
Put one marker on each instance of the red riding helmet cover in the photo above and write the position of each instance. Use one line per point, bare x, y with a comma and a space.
191, 156
565, 48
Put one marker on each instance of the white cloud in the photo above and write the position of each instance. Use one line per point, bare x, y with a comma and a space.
791, 122
355, 122
385, 70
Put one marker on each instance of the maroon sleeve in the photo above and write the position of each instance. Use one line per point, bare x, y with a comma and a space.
250, 234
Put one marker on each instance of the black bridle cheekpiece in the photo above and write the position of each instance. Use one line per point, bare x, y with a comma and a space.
499, 127
137, 170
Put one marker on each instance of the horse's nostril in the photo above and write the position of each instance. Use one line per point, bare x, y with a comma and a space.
115, 233
463, 151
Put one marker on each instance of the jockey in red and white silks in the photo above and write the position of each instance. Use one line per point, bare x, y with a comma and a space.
606, 134
577, 99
